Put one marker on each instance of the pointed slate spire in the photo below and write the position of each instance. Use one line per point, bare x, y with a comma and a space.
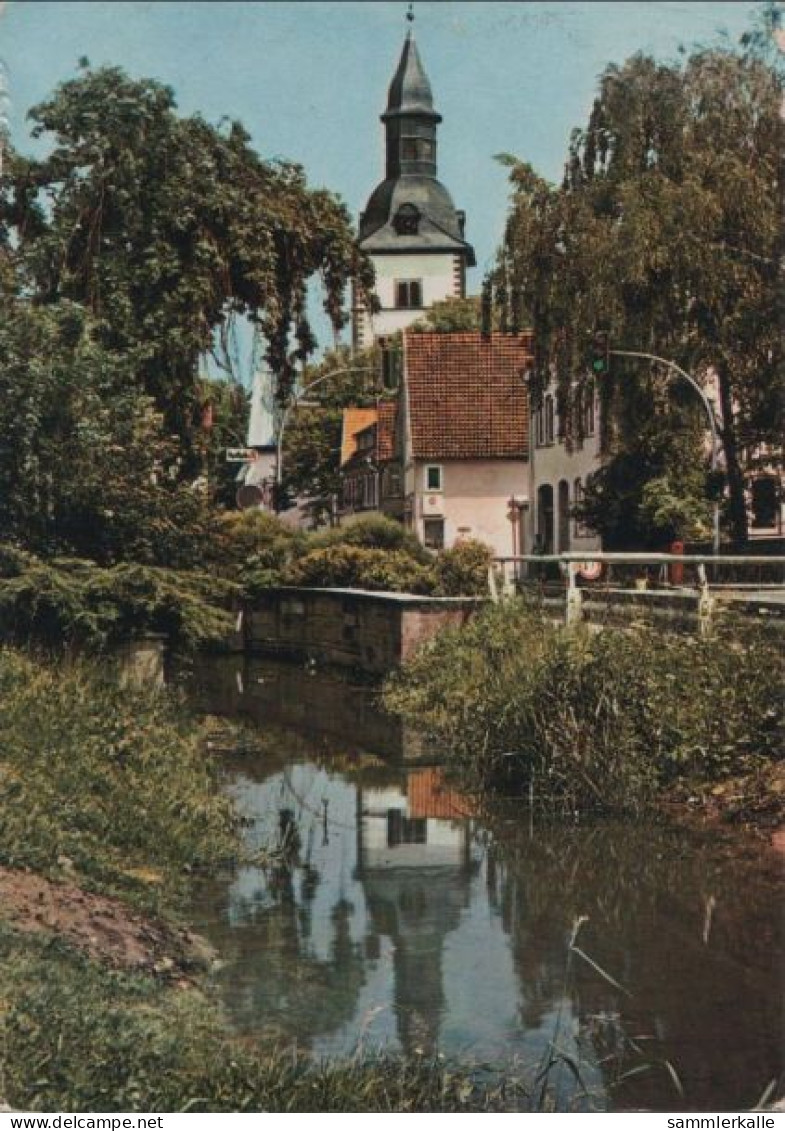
410, 91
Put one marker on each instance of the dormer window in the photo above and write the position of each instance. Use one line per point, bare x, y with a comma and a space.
407, 220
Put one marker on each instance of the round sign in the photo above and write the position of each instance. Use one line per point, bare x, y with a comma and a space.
249, 496
590, 571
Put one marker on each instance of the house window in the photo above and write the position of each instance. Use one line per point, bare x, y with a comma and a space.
408, 294
539, 427
579, 529
393, 483
391, 367
765, 502
405, 830
549, 420
433, 479
433, 533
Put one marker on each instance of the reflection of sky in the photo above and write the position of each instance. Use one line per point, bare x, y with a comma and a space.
482, 1015
468, 958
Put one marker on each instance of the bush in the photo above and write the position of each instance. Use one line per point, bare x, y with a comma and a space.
71, 602
116, 781
357, 567
593, 720
462, 571
373, 532
253, 547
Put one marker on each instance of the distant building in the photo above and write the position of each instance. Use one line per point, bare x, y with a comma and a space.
370, 466
557, 475
260, 471
410, 228
450, 453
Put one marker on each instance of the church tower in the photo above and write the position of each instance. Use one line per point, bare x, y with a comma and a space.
410, 227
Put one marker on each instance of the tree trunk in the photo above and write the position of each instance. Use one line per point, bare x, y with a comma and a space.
738, 505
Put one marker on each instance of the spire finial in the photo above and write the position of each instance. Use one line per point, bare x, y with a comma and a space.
410, 14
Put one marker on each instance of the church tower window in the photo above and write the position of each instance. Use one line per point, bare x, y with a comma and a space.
408, 294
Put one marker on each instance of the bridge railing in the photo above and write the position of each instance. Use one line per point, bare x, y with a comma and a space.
568, 579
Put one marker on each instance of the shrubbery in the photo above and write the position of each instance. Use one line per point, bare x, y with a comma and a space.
462, 571
593, 720
67, 602
373, 532
256, 550
253, 547
359, 567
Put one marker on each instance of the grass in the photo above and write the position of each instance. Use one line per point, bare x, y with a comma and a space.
77, 1037
602, 721
114, 785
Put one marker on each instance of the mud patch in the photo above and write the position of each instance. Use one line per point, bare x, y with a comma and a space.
101, 927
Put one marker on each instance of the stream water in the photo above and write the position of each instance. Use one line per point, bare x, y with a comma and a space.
386, 912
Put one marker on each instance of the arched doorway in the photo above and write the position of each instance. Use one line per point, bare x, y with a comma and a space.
545, 519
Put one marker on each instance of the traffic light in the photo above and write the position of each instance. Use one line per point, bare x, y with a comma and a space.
600, 353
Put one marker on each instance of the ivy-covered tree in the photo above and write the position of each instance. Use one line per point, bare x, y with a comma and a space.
166, 228
667, 231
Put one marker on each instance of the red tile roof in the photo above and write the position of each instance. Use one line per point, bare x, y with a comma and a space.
354, 421
429, 796
385, 437
466, 394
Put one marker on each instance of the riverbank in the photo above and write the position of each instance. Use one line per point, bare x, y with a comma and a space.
110, 808
616, 721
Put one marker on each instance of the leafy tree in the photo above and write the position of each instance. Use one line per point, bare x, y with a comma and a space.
451, 316
312, 446
166, 228
668, 231
86, 466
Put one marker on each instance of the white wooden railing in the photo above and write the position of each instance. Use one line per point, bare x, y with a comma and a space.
594, 572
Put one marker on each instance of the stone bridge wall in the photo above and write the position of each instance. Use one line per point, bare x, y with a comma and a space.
349, 628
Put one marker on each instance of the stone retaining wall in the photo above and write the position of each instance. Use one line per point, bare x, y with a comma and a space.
348, 628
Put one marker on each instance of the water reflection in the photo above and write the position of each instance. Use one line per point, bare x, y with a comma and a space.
390, 913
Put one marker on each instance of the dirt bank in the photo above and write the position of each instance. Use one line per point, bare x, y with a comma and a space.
103, 928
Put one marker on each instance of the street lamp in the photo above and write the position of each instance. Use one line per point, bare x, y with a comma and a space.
298, 399
715, 442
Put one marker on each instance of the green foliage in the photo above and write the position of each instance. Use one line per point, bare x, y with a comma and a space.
593, 721
252, 548
109, 1041
462, 571
227, 405
361, 567
451, 316
166, 228
311, 460
667, 231
372, 531
71, 603
86, 467
114, 781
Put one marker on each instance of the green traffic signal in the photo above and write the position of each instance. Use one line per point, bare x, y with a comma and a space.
599, 358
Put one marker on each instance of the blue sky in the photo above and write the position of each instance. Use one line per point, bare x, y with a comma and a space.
309, 79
